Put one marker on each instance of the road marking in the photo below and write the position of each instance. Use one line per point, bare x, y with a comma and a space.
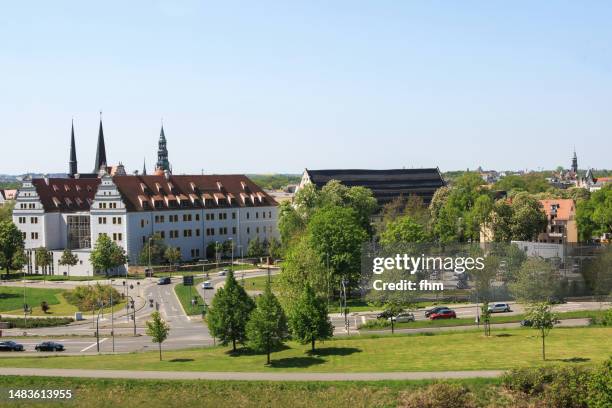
93, 344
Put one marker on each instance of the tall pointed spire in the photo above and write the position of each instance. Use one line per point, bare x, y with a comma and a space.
72, 165
162, 153
100, 150
575, 162
144, 167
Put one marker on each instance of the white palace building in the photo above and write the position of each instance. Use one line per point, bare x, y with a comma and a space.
187, 211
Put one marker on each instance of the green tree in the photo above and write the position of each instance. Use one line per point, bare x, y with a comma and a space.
6, 211
11, 247
403, 229
308, 319
536, 281
290, 223
155, 247
267, 325
543, 319
158, 330
106, 255
43, 258
528, 218
172, 255
501, 221
44, 306
229, 312
336, 233
68, 259
598, 275
594, 216
256, 248
275, 249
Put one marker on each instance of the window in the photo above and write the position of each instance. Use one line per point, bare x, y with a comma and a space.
248, 216
22, 220
269, 214
234, 230
101, 220
23, 235
197, 232
159, 219
102, 205
187, 233
79, 235
117, 220
173, 218
34, 220
257, 214
223, 216
197, 217
117, 236
257, 230
31, 205
234, 215
195, 253
210, 231
248, 229
162, 234
142, 223
112, 205
34, 235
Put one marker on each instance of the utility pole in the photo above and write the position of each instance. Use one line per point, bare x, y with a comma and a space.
112, 316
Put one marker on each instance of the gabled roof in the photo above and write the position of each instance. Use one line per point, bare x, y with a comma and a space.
385, 184
565, 208
66, 194
184, 191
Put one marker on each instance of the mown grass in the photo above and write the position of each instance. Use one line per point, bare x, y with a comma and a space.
469, 350
258, 282
186, 293
182, 393
381, 324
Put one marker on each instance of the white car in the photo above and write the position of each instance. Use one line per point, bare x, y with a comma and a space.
223, 272
403, 318
499, 308
207, 285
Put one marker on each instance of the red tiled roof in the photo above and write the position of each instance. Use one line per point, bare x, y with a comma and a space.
565, 211
213, 189
66, 194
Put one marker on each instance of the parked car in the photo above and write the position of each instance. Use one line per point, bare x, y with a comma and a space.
404, 318
49, 346
443, 314
385, 314
164, 281
10, 346
434, 310
499, 308
223, 272
526, 323
207, 285
556, 300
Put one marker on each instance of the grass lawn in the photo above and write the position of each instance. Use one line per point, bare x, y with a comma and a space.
466, 350
11, 302
62, 278
182, 393
213, 271
186, 293
257, 283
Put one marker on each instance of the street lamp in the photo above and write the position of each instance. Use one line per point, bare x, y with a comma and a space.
112, 314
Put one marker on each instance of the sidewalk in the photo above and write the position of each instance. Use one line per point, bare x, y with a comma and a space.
249, 376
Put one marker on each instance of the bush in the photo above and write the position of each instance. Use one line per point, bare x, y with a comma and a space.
438, 395
568, 388
600, 386
376, 324
32, 323
603, 318
87, 297
529, 381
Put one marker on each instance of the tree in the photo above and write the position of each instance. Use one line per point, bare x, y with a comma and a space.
6, 211
535, 281
106, 254
256, 248
229, 312
403, 230
290, 223
68, 259
528, 218
542, 318
153, 250
11, 247
43, 258
44, 306
267, 325
598, 275
158, 330
594, 216
275, 249
336, 233
308, 319
501, 221
172, 255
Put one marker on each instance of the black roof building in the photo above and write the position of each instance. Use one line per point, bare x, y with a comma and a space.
386, 185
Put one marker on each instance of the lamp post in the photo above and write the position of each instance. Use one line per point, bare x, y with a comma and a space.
112, 314
100, 305
131, 302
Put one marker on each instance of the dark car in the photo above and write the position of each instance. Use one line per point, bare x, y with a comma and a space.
526, 323
443, 314
434, 310
10, 346
49, 346
384, 314
556, 300
164, 281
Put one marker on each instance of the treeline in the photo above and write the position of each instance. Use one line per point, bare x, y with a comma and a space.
275, 181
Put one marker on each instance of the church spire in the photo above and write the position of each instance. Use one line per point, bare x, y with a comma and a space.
72, 165
100, 150
575, 162
144, 167
162, 153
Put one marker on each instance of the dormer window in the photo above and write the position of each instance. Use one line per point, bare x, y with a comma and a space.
66, 187
219, 185
158, 187
244, 185
143, 187
55, 187
77, 187
193, 186
56, 201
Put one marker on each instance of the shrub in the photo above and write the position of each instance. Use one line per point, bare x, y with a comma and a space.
376, 324
603, 318
438, 395
529, 381
18, 323
600, 386
567, 389
88, 297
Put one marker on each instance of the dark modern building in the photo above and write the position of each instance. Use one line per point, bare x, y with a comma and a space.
385, 184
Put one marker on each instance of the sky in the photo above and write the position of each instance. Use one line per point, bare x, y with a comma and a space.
279, 86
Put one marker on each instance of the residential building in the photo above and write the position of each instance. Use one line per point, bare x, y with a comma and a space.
7, 195
561, 227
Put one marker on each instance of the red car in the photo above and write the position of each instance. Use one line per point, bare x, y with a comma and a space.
443, 314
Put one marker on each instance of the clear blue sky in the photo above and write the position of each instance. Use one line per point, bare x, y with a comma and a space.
263, 86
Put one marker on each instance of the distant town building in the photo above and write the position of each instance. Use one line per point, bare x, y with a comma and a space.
7, 195
561, 227
592, 183
386, 185
187, 211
